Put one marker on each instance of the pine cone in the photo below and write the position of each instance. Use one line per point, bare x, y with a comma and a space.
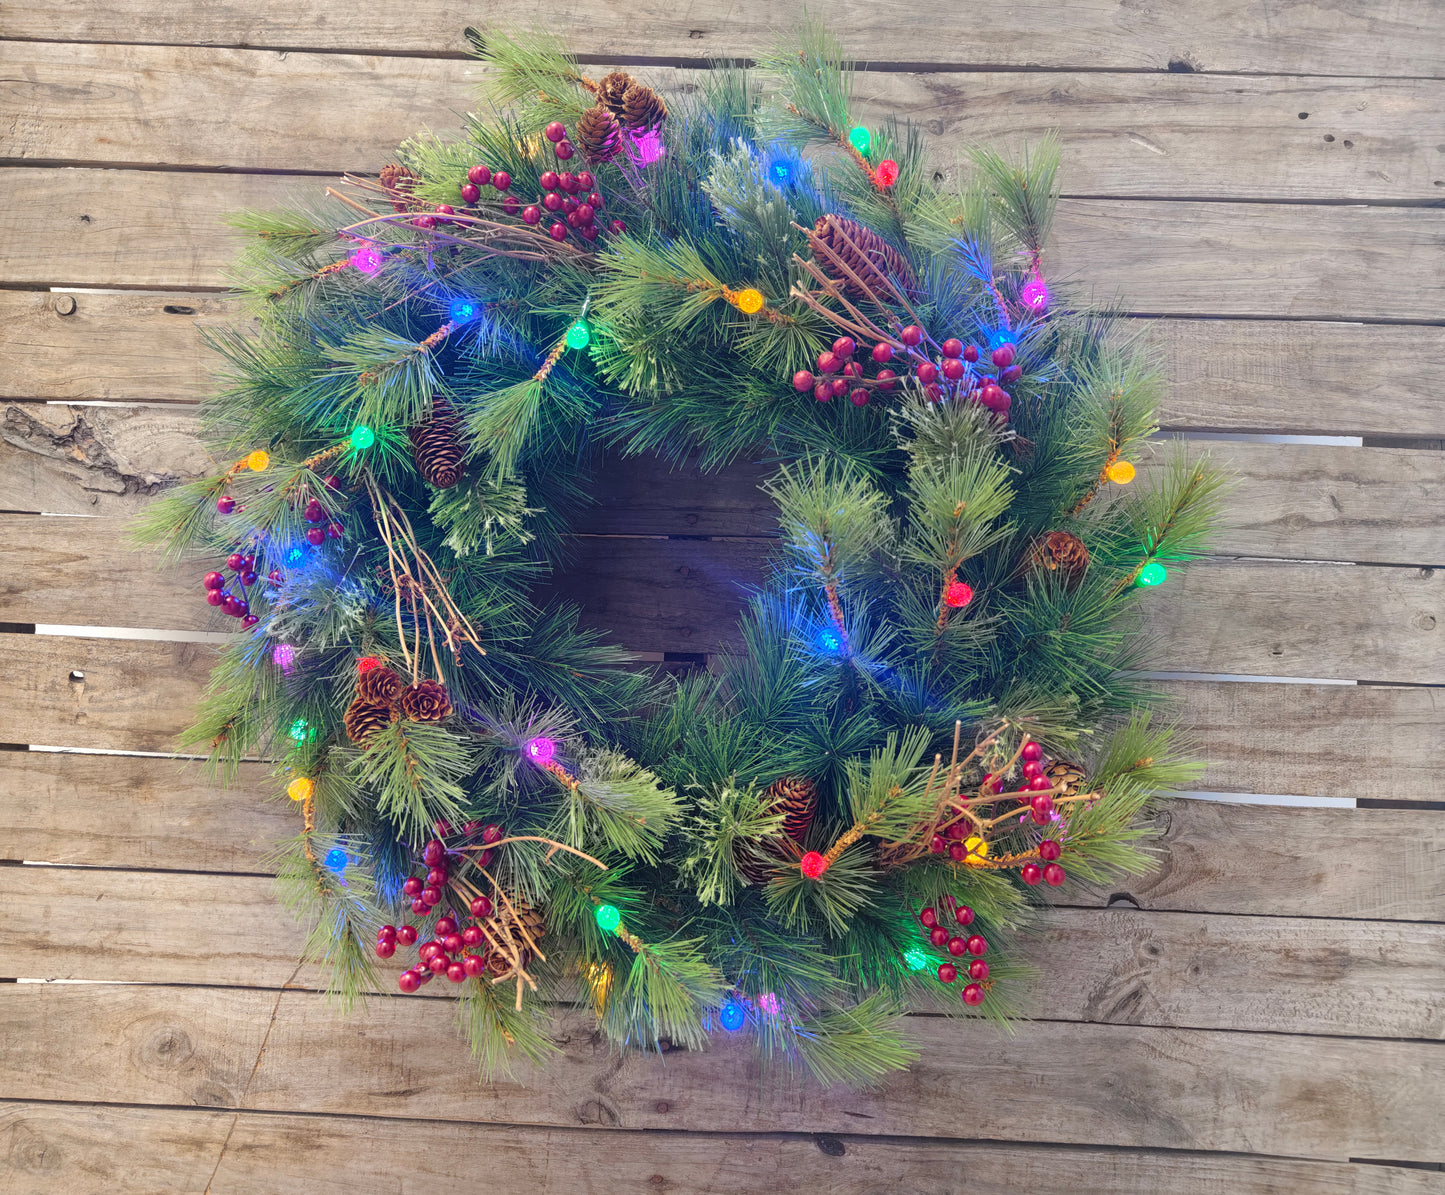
379, 686
869, 256
436, 447
1064, 553
500, 963
642, 109
612, 91
426, 701
363, 719
797, 797
1070, 775
398, 178
599, 134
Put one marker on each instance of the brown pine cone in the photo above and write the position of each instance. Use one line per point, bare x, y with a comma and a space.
612, 91
500, 963
398, 178
1069, 774
642, 109
363, 719
1064, 553
436, 446
599, 134
868, 255
797, 797
426, 701
380, 686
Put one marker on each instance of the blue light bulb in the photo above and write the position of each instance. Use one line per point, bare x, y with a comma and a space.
1000, 337
462, 311
782, 173
829, 639
732, 1017
336, 859
296, 556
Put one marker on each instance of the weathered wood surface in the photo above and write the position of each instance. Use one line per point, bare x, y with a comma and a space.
1237, 36
1207, 971
1180, 135
1224, 375
139, 1151
86, 227
1311, 1097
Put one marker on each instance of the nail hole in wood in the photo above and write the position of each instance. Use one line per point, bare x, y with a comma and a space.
832, 1146
1304, 115
77, 677
177, 309
64, 304
1329, 136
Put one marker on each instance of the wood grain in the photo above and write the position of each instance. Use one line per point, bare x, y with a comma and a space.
138, 1151
1351, 978
1225, 375
136, 695
1291, 38
153, 813
1173, 134
153, 229
1311, 1097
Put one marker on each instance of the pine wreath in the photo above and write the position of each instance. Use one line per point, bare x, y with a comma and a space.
965, 733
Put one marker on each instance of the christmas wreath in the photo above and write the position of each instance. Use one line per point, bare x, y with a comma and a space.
934, 712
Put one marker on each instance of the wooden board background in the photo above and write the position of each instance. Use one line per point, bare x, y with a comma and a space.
1262, 1014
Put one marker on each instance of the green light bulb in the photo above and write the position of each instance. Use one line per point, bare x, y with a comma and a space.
302, 731
1153, 574
915, 958
608, 918
860, 138
362, 437
579, 335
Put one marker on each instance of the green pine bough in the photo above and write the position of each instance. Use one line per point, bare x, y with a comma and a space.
933, 712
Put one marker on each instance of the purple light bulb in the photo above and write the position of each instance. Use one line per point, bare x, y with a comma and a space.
540, 751
283, 655
1035, 294
368, 259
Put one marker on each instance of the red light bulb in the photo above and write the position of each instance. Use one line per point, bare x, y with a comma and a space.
812, 865
887, 172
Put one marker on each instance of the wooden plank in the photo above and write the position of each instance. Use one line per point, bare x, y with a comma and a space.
141, 229
136, 347
1314, 740
135, 695
138, 1151
157, 813
1360, 978
1398, 39
1225, 375
1181, 135
1311, 1097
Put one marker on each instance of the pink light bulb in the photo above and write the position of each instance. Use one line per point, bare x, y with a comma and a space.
1035, 294
283, 655
540, 751
368, 259
647, 147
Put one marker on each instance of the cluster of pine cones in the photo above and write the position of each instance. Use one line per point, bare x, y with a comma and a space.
381, 698
622, 103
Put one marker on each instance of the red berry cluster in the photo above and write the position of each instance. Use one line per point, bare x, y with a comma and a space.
315, 513
478, 177
234, 604
951, 840
958, 946
946, 370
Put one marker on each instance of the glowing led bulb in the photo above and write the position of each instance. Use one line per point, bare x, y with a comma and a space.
367, 259
336, 859
1153, 574
860, 138
733, 1016
258, 460
362, 437
1035, 294
579, 335
1120, 472
829, 639
302, 731
540, 751
283, 655
609, 917
462, 311
749, 301
887, 172
915, 958
812, 865
977, 850
301, 788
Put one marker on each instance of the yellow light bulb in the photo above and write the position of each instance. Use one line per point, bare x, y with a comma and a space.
977, 850
300, 789
1120, 472
749, 301
258, 460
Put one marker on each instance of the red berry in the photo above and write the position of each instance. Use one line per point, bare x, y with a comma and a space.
501, 180
994, 397
947, 972
406, 934
957, 852
1042, 802
247, 578
563, 150
970, 354
316, 536
216, 597
472, 935
446, 209
552, 201
617, 226
993, 783
555, 131
438, 963
408, 981
470, 193
425, 221
473, 965
531, 214
315, 512
938, 935
385, 947
839, 387
927, 372
572, 221
456, 972
453, 943
1041, 819
882, 353
951, 347
823, 391
802, 383
420, 907
589, 232
1040, 784
853, 370
481, 906
235, 562
929, 917
1032, 768
549, 180
567, 181
479, 176
595, 200
1053, 875
957, 832
275, 576
1031, 873
445, 926
1003, 356
973, 995
963, 915
887, 379
558, 232
585, 180
976, 944
213, 580
953, 369
1032, 751
859, 397
585, 214
225, 504
492, 832
829, 363
938, 844
335, 530
249, 620
956, 946
844, 346
511, 205
432, 897
434, 852
978, 969
238, 608
486, 857
413, 886
427, 949
1049, 850
1011, 374
911, 335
